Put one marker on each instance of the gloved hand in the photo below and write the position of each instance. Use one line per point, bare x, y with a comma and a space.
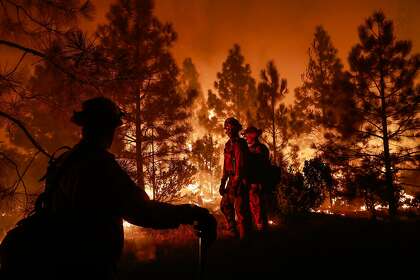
204, 223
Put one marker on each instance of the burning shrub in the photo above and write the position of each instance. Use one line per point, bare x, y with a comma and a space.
407, 201
370, 186
170, 180
299, 193
295, 197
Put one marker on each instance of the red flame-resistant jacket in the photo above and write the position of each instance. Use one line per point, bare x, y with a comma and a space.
97, 194
235, 160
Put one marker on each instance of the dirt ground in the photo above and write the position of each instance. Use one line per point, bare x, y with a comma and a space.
315, 246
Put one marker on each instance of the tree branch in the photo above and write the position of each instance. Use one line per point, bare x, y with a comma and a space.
48, 59
27, 133
22, 48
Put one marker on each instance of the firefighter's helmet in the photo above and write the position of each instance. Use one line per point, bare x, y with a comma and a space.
99, 112
234, 122
252, 129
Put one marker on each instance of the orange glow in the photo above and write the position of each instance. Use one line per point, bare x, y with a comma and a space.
269, 29
266, 30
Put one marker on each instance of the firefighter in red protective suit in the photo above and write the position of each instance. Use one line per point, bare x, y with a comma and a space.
258, 165
235, 198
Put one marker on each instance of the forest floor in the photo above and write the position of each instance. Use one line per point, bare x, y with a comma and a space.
326, 246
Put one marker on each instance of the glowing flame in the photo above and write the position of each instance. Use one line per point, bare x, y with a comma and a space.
323, 211
127, 225
194, 188
405, 196
129, 230
201, 194
404, 201
189, 147
207, 199
380, 207
211, 114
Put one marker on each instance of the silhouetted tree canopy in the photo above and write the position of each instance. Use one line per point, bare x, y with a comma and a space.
144, 82
206, 153
384, 74
299, 193
236, 92
272, 116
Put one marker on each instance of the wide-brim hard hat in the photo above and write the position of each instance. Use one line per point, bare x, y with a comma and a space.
99, 112
252, 129
234, 122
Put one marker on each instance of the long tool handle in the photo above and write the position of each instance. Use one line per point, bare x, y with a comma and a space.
200, 258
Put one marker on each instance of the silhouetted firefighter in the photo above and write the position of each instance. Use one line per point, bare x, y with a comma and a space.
76, 229
258, 171
235, 194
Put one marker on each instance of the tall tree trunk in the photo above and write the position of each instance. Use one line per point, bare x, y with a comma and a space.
274, 127
139, 141
153, 164
138, 120
387, 158
211, 166
237, 95
330, 195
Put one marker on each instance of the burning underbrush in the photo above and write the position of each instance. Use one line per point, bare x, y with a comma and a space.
304, 242
147, 245
408, 206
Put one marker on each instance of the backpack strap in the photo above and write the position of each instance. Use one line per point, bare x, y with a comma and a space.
53, 160
50, 178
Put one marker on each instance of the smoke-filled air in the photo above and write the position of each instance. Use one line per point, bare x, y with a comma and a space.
208, 139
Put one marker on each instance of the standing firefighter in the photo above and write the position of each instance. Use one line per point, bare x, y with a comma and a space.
235, 194
80, 233
258, 166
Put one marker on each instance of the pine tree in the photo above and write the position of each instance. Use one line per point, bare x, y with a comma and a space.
190, 78
47, 31
318, 176
325, 98
190, 85
270, 113
366, 183
205, 154
324, 108
236, 91
384, 74
45, 34
144, 83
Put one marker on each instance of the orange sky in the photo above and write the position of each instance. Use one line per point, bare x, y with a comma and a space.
270, 29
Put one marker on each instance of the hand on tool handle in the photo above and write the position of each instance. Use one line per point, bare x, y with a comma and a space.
205, 225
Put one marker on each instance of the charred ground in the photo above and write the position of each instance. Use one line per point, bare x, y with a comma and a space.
315, 246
